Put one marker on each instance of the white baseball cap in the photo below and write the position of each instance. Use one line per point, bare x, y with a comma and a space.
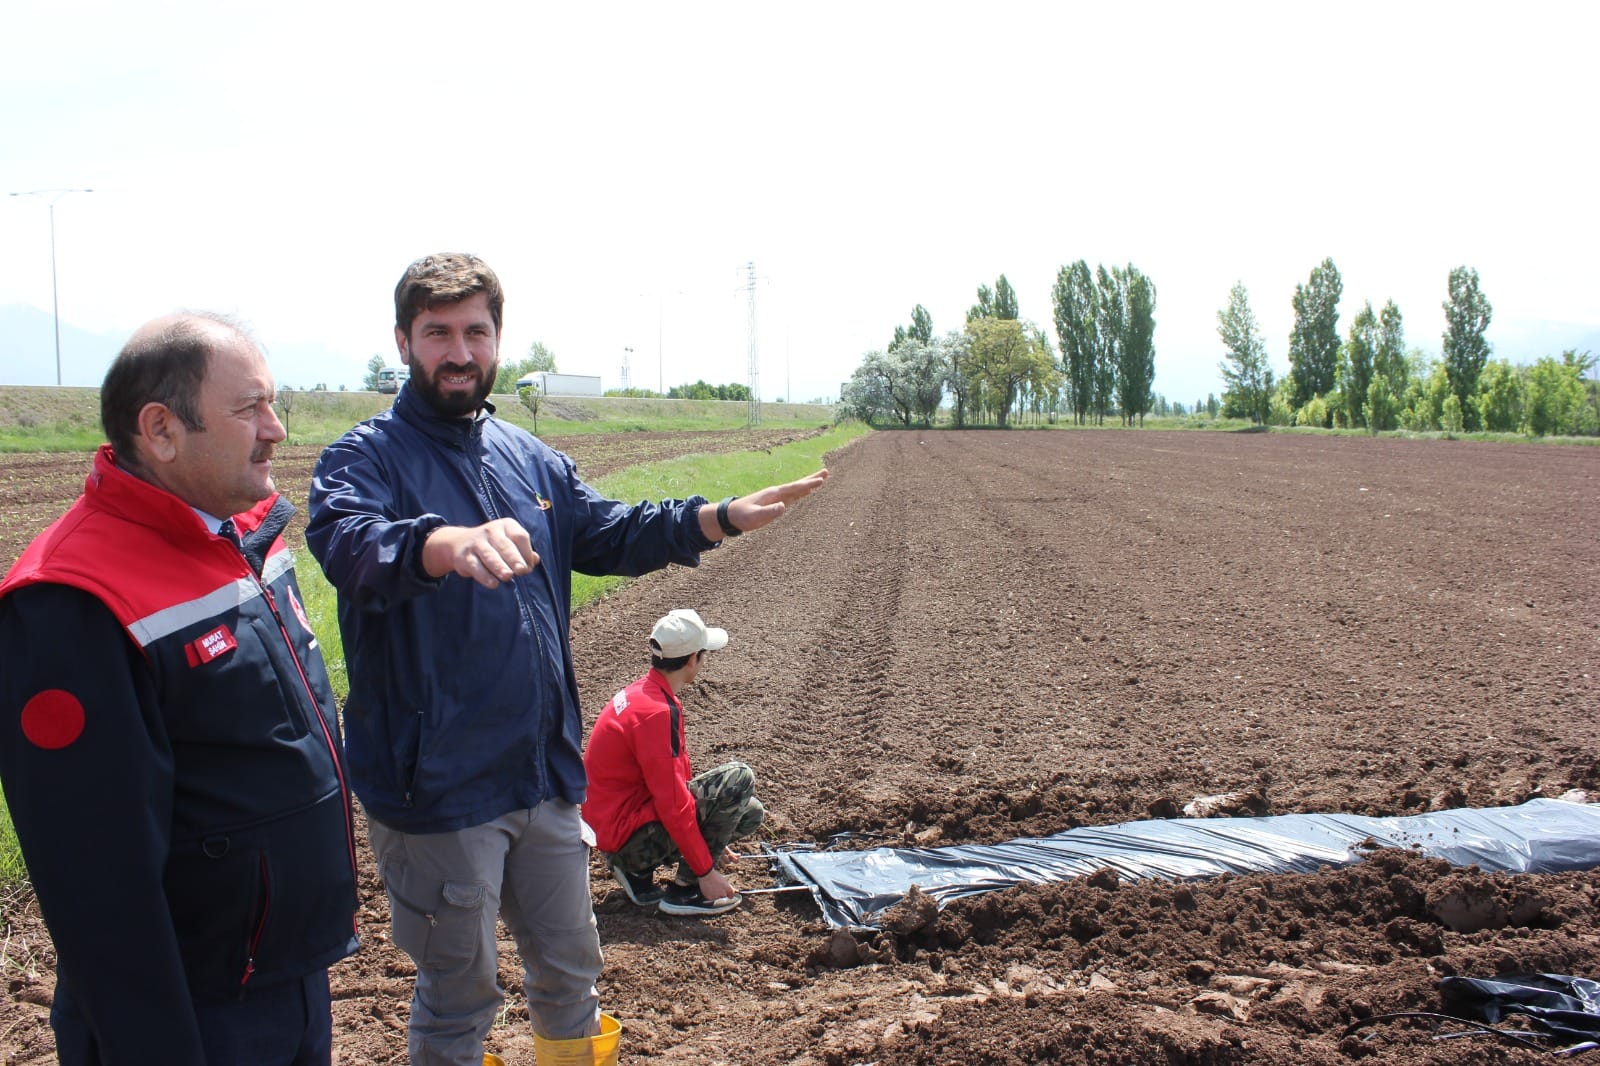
682, 632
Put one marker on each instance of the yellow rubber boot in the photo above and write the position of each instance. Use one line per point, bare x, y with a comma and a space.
491, 1059
598, 1050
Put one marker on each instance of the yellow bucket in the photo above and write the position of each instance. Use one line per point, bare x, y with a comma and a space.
600, 1050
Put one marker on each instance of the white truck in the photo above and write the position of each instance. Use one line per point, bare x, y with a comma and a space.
549, 383
390, 378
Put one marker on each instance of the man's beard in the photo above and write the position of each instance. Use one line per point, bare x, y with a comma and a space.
457, 404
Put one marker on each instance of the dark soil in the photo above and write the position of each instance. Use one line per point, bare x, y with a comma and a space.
971, 637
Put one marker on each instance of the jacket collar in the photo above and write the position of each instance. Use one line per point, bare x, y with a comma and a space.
413, 410
112, 489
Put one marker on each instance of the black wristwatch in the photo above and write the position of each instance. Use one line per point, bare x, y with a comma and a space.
728, 528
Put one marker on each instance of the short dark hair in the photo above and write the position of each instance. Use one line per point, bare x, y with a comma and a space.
165, 366
667, 665
447, 278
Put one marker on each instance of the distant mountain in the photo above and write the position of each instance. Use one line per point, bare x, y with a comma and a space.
1523, 342
28, 349
28, 355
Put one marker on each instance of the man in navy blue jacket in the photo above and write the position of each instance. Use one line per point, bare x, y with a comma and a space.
168, 739
451, 537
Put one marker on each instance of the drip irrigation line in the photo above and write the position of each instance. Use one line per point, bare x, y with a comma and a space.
1475, 1027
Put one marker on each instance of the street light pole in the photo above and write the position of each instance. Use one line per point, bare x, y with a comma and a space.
55, 301
661, 358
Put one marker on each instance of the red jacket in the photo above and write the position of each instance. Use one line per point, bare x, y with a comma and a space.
170, 754
638, 767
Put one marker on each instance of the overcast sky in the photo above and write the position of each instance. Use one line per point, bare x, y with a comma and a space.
620, 164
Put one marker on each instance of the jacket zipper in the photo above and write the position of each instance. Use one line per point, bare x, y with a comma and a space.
261, 927
487, 494
327, 736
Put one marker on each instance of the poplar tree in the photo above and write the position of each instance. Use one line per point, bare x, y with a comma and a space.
1136, 371
1466, 316
1074, 301
1360, 356
1314, 341
1389, 358
1109, 321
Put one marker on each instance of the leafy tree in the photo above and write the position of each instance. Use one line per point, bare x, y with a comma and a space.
1005, 355
505, 379
1314, 340
1110, 324
1389, 356
1556, 398
921, 325
530, 399
1075, 299
1137, 351
921, 370
984, 308
1467, 314
370, 382
540, 359
1499, 397
1381, 407
866, 395
998, 302
1427, 397
1360, 355
1313, 413
957, 347
1279, 412
921, 329
702, 391
1450, 417
1245, 371
1005, 299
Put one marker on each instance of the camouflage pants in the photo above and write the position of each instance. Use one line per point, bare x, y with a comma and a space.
726, 808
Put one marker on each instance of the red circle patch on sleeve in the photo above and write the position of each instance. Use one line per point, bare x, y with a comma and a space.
52, 719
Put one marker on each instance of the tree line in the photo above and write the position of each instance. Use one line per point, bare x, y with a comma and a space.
1368, 379
1000, 364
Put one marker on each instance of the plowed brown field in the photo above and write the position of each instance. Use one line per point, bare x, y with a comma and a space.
967, 637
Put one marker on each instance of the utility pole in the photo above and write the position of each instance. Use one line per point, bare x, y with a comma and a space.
754, 372
625, 353
55, 302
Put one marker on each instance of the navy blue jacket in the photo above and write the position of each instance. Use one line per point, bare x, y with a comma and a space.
169, 748
463, 703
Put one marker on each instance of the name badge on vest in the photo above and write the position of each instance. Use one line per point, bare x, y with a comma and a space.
208, 647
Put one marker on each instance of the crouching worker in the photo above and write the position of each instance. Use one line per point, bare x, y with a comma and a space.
645, 808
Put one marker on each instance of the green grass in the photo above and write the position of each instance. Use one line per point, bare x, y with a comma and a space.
714, 476
49, 419
566, 415
62, 419
12, 870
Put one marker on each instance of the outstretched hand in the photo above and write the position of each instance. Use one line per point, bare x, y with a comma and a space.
761, 507
489, 554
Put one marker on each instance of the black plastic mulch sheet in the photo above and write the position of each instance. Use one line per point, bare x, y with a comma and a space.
855, 888
1567, 1009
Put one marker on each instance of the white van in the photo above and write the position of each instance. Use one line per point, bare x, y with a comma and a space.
390, 378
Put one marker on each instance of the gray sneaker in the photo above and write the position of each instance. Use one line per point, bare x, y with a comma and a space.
640, 888
688, 901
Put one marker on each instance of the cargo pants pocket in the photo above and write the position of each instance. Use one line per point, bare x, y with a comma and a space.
440, 925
